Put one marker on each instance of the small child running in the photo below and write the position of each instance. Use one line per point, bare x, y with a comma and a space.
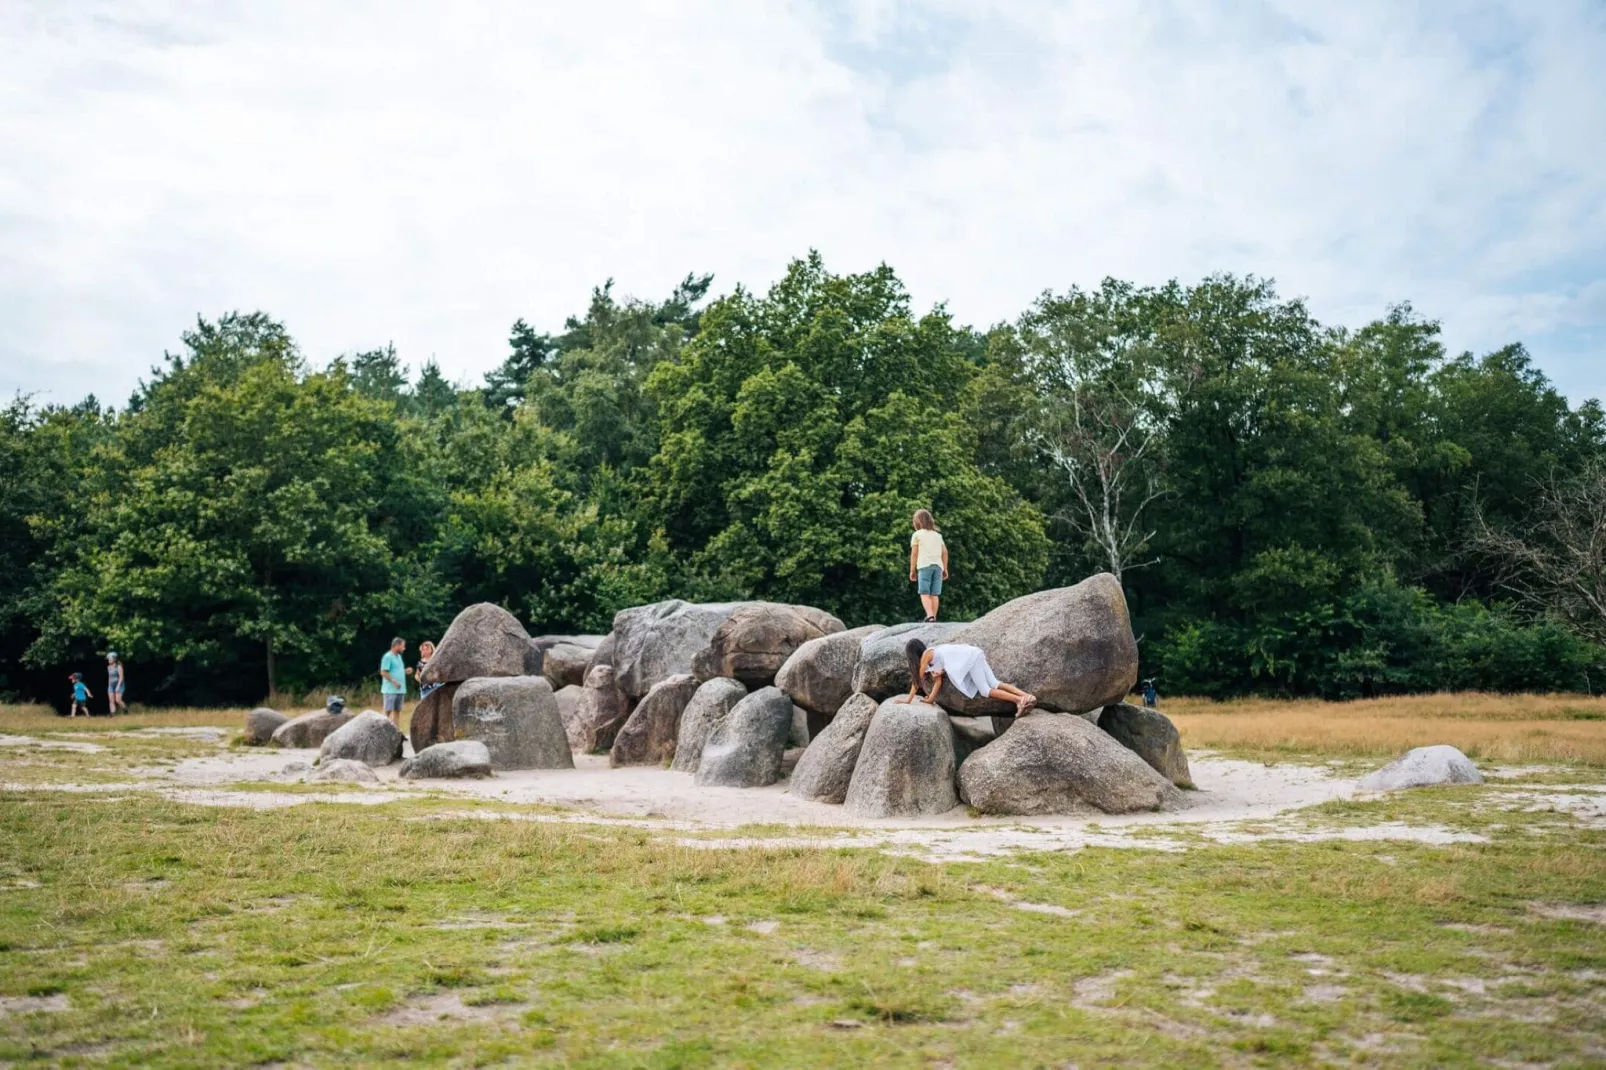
80, 695
928, 562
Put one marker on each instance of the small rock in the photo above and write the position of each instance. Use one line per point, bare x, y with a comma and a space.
310, 729
260, 724
459, 758
369, 738
1424, 767
342, 771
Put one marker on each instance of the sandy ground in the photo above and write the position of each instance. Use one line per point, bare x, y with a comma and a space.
1237, 802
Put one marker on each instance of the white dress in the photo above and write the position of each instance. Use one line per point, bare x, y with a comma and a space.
965, 666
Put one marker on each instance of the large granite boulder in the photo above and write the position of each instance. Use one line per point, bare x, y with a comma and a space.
432, 718
882, 670
706, 711
1052, 763
819, 674
1424, 767
564, 664
260, 724
906, 763
516, 717
757, 638
601, 712
568, 700
745, 749
341, 771
309, 730
825, 769
459, 758
369, 738
1072, 647
1151, 736
603, 654
484, 640
648, 736
657, 641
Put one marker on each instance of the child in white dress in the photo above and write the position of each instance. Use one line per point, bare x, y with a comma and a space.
965, 667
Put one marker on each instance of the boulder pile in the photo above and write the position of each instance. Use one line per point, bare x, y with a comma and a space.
719, 690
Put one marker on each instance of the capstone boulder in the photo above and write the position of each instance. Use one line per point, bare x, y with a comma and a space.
657, 641
483, 640
757, 638
819, 674
882, 670
1072, 647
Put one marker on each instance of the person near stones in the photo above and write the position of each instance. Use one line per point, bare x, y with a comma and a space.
426, 650
115, 683
965, 667
1150, 696
393, 680
928, 562
80, 695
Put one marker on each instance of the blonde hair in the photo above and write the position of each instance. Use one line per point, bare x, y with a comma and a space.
424, 644
924, 521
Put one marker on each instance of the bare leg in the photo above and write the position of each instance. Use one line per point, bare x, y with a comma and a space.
1010, 693
929, 601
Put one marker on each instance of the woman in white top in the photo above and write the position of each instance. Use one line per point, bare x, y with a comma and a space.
965, 667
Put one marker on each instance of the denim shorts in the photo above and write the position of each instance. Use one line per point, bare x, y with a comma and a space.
931, 580
393, 703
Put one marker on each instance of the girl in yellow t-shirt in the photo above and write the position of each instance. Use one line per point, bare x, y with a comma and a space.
928, 562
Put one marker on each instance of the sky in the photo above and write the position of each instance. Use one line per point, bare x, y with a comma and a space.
424, 174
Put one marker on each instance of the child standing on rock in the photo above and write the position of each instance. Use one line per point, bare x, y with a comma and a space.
928, 562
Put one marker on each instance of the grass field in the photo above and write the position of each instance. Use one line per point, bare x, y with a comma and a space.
139, 931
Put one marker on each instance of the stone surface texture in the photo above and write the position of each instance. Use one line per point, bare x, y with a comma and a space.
648, 737
483, 640
309, 730
1150, 735
745, 749
757, 638
906, 763
819, 674
882, 670
368, 737
432, 718
260, 724
1424, 767
459, 758
516, 717
707, 710
823, 773
1052, 763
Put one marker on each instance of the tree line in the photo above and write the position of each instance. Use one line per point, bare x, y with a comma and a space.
1293, 508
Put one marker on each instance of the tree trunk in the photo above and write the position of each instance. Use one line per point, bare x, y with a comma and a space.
272, 683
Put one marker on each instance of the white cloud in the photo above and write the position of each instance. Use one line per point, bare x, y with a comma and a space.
427, 173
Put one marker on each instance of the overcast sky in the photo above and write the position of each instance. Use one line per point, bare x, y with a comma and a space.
425, 173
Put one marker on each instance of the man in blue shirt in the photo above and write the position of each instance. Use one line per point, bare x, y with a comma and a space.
393, 680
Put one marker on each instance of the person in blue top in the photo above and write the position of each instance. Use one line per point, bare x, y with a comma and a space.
116, 684
393, 680
1150, 696
80, 695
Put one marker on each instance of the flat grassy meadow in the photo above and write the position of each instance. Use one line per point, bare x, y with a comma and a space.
141, 929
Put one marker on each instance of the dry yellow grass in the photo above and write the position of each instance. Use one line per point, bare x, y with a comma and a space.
1507, 728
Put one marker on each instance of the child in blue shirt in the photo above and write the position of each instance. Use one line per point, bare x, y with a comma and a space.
80, 696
